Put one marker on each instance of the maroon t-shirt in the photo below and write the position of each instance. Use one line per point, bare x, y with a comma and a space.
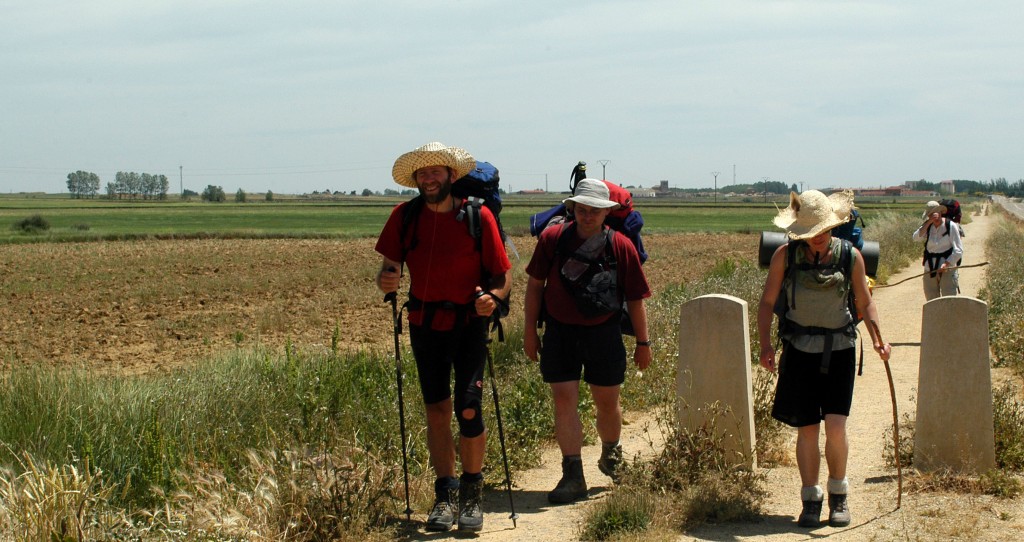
445, 265
558, 301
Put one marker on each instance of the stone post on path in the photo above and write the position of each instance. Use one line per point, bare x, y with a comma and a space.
954, 391
713, 373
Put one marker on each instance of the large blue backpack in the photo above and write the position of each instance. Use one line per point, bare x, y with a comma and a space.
851, 231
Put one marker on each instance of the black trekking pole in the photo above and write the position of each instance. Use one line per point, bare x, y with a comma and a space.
501, 430
393, 298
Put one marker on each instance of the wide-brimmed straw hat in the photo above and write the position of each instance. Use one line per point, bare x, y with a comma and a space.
431, 154
591, 192
812, 212
933, 207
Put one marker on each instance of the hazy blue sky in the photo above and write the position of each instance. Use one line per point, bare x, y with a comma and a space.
312, 95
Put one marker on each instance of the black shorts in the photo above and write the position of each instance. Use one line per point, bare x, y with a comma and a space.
804, 395
437, 352
595, 352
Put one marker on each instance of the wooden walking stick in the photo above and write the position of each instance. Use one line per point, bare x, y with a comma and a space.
872, 325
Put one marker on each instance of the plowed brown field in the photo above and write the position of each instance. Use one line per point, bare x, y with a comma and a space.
141, 306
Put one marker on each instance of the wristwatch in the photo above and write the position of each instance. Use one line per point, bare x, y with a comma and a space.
643, 343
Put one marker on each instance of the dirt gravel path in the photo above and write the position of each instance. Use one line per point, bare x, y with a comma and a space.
923, 516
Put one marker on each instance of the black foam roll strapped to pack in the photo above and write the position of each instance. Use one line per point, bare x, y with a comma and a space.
771, 240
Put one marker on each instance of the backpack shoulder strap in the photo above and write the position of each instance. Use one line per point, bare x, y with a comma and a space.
472, 214
410, 218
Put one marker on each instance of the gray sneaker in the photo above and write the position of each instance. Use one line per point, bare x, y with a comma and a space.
471, 514
811, 514
838, 510
611, 462
573, 486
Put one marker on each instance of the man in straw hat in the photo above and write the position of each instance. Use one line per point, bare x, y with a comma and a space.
454, 287
943, 249
582, 334
818, 333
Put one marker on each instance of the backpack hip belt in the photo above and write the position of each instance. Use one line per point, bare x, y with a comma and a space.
430, 308
931, 259
789, 327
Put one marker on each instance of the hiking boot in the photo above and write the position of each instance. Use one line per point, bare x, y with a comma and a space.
471, 495
838, 510
811, 514
572, 487
444, 511
611, 461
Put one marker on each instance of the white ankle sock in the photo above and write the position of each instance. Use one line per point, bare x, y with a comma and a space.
838, 487
811, 493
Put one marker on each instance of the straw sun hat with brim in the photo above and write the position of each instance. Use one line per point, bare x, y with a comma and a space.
432, 154
934, 207
811, 213
592, 193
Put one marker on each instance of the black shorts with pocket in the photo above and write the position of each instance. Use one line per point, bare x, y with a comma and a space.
595, 352
804, 395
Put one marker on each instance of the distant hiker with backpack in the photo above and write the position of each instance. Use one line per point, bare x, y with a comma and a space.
456, 283
943, 250
810, 280
581, 274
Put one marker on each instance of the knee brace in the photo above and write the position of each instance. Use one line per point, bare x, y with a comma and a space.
473, 426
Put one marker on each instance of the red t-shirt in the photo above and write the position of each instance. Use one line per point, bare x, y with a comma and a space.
445, 265
558, 301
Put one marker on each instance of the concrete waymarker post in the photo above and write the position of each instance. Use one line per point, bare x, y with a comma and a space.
714, 368
954, 392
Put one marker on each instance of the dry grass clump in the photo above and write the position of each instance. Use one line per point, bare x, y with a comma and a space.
302, 495
694, 480
61, 503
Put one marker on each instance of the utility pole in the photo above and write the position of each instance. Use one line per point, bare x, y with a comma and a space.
716, 174
765, 179
545, 183
603, 164
801, 187
181, 183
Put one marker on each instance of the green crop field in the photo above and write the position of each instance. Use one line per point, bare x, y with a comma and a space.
346, 217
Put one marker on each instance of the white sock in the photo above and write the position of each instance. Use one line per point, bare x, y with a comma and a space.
811, 493
838, 487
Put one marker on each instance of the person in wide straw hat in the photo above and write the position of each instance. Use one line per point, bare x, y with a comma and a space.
456, 283
943, 250
571, 276
814, 274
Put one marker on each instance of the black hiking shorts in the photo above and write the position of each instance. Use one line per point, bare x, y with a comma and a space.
438, 352
595, 352
804, 395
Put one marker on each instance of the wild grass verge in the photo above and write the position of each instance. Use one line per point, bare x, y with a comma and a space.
256, 445
1003, 291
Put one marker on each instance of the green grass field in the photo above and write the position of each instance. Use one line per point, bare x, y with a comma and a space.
83, 220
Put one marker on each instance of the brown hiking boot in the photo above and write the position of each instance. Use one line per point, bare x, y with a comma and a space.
611, 462
838, 510
572, 487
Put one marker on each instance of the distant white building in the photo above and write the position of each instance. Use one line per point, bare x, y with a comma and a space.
643, 192
947, 187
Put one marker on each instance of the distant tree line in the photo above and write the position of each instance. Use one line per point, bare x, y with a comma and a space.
83, 184
132, 185
993, 186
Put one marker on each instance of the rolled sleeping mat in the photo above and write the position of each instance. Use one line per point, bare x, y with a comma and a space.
772, 240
